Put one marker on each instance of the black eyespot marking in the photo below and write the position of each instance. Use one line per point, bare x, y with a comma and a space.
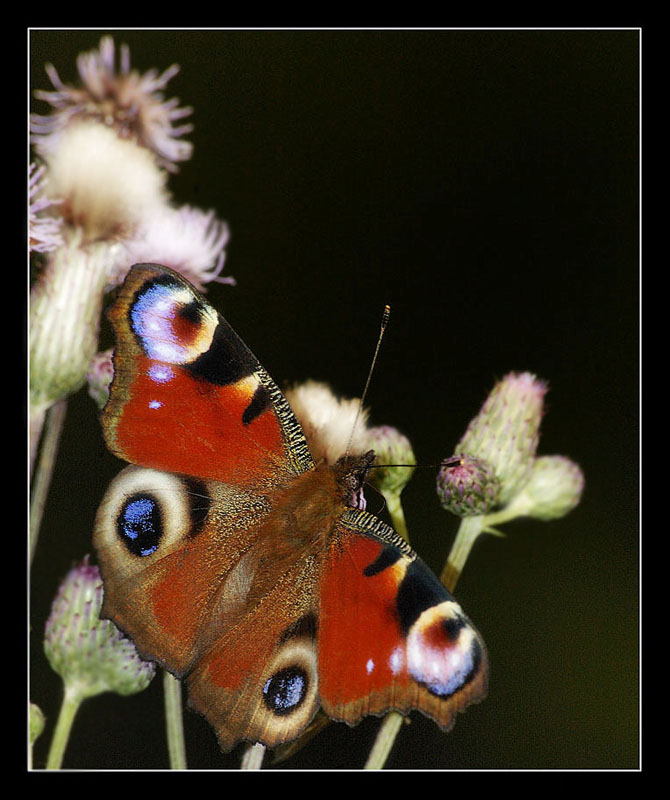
306, 626
285, 690
453, 626
199, 504
192, 312
387, 558
259, 402
140, 524
227, 359
419, 590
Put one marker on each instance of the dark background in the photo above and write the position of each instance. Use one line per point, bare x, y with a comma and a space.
485, 184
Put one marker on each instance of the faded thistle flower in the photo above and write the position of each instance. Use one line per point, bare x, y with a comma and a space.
130, 103
65, 309
106, 184
91, 655
328, 421
188, 240
105, 146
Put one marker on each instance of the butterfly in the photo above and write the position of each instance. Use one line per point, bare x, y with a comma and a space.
238, 564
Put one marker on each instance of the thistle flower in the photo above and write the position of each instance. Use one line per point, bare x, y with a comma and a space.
188, 240
467, 486
65, 308
130, 103
44, 231
107, 185
91, 654
505, 433
328, 421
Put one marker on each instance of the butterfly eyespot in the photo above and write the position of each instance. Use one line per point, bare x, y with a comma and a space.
285, 690
140, 525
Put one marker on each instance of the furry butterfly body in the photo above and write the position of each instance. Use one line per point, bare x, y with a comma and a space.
238, 564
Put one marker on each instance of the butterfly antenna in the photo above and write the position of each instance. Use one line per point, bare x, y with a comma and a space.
385, 318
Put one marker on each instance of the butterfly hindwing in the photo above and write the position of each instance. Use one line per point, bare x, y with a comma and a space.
391, 636
167, 545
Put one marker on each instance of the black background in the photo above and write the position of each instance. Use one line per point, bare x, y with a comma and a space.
485, 184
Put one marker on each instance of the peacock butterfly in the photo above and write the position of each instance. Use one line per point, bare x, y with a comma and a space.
237, 563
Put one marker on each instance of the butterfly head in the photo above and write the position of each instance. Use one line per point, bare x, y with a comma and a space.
351, 473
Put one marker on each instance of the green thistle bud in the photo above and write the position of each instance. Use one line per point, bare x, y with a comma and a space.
554, 488
391, 449
505, 433
91, 655
35, 722
99, 377
467, 486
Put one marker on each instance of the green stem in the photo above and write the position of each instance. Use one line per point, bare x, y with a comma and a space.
394, 506
174, 723
45, 468
469, 530
71, 701
253, 756
381, 749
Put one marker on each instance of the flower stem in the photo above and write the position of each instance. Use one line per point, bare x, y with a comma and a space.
394, 506
381, 749
253, 756
71, 701
174, 721
45, 467
469, 530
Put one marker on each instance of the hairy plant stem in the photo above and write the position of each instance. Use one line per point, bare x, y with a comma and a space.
253, 756
174, 722
72, 698
44, 469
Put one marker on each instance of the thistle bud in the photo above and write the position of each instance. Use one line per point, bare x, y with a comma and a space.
467, 486
91, 655
35, 722
505, 433
554, 488
392, 448
99, 377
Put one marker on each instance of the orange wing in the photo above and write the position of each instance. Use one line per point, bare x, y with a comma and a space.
188, 396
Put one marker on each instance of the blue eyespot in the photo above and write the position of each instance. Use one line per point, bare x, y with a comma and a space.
285, 690
139, 524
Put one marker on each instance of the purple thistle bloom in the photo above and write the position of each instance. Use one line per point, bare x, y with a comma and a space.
131, 103
186, 239
44, 233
